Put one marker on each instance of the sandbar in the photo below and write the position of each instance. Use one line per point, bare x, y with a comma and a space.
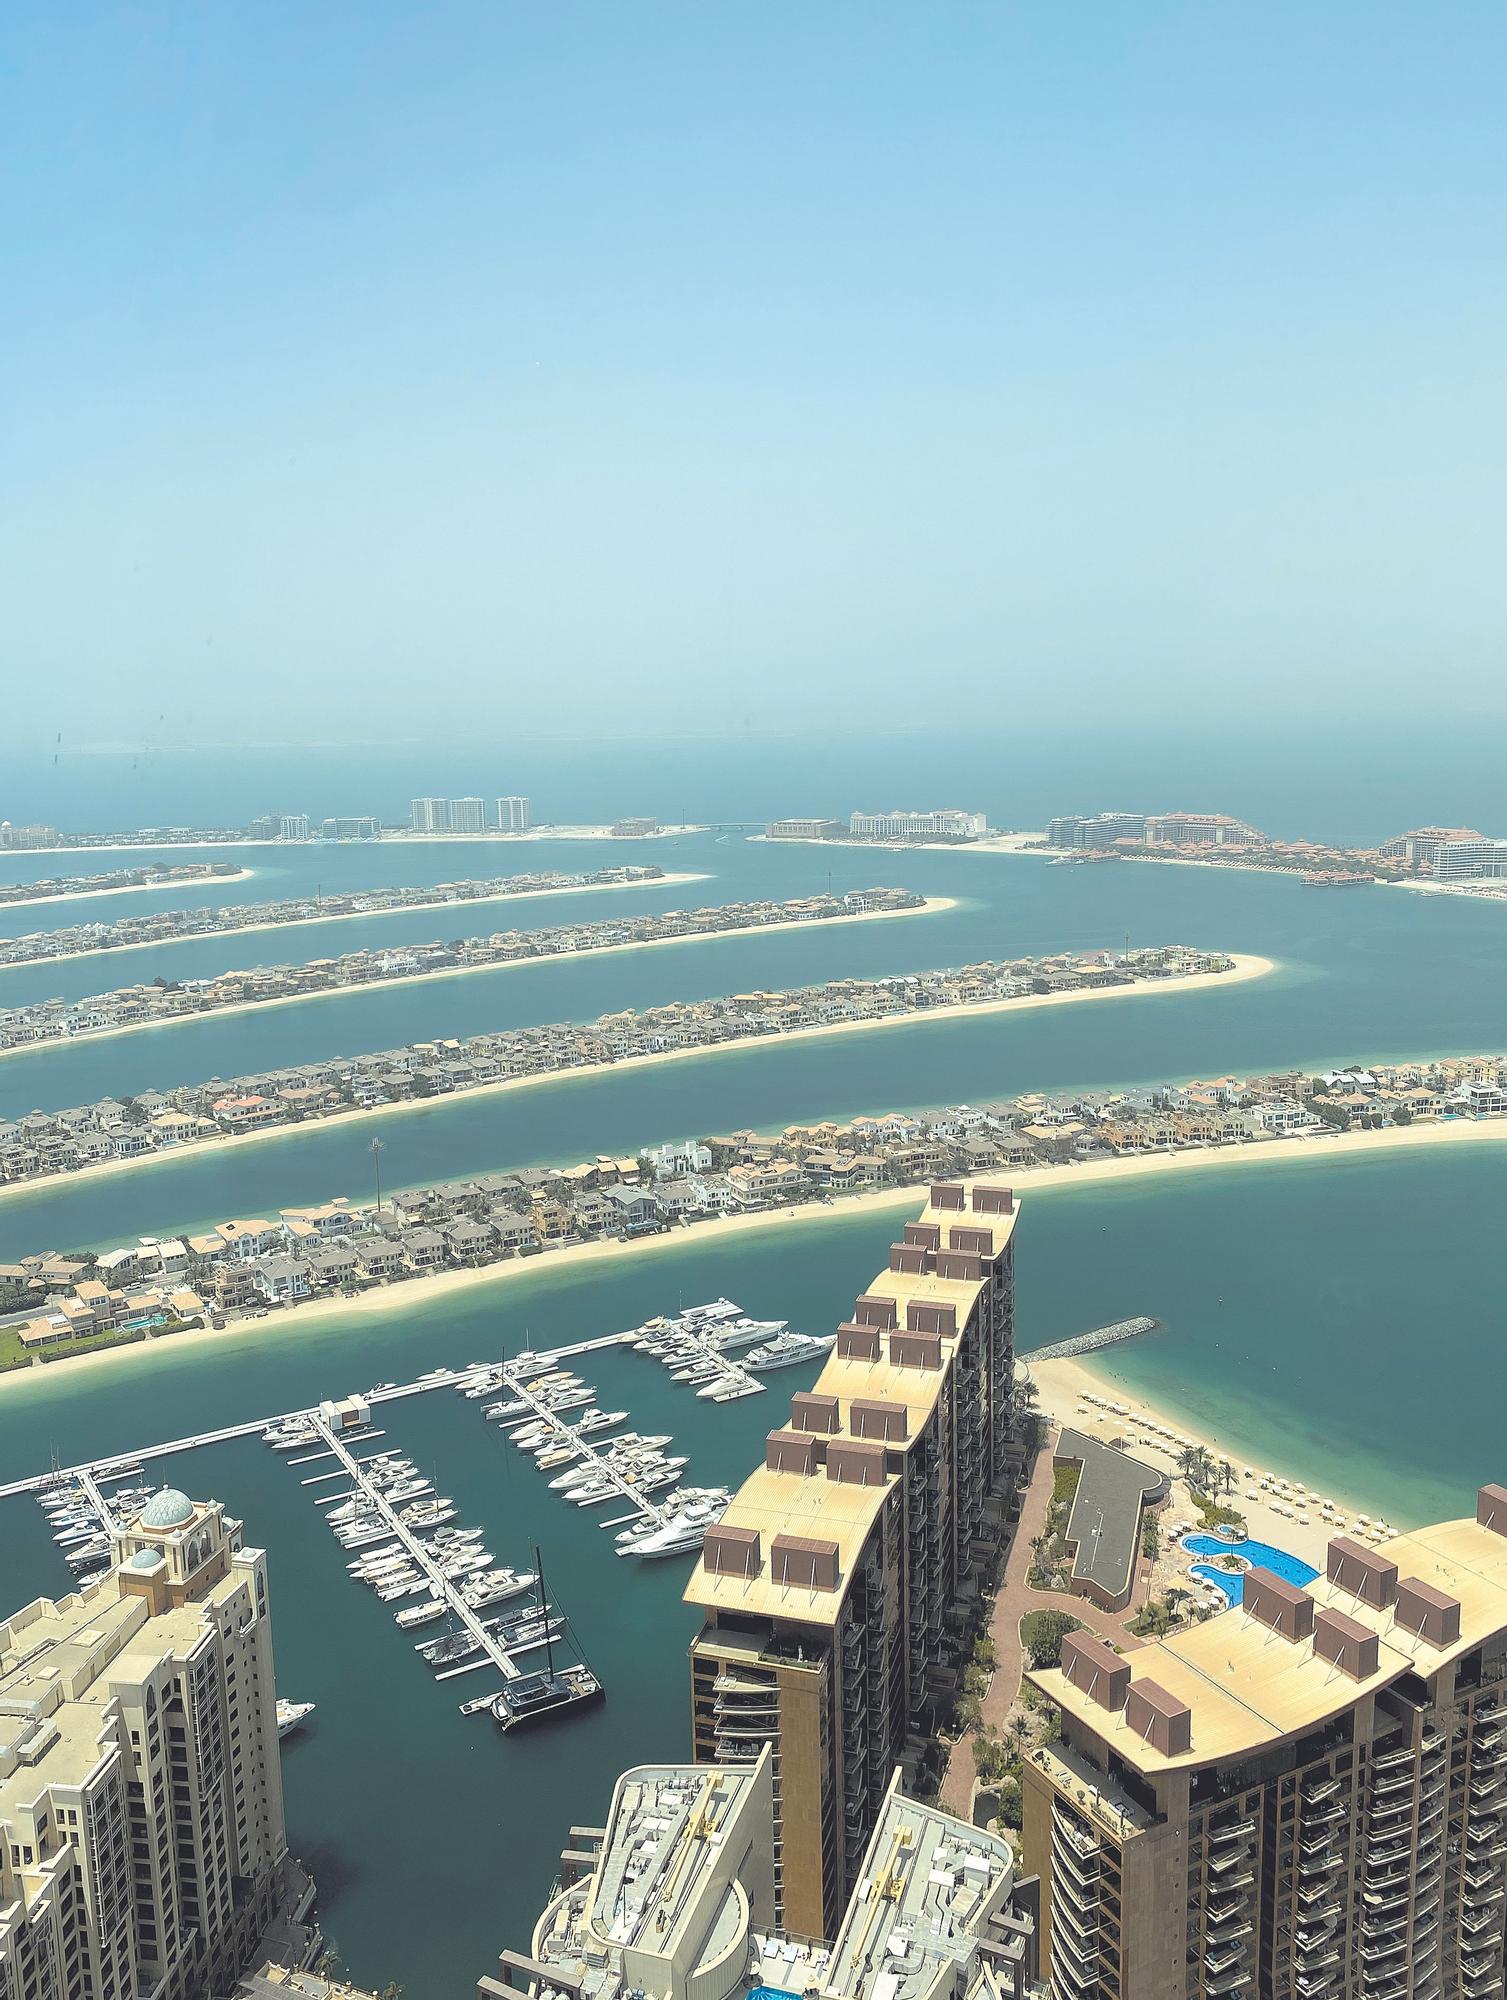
93, 895
1246, 966
932, 906
419, 1292
338, 917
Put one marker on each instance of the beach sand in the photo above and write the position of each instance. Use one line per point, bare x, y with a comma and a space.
1246, 966
339, 917
931, 907
411, 1298
126, 889
1076, 1392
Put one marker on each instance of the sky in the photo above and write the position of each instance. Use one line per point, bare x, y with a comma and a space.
376, 373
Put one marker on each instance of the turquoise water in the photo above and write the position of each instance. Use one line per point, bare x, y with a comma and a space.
1261, 1555
1323, 1316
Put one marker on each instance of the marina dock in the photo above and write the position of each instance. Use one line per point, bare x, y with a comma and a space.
419, 1553
582, 1449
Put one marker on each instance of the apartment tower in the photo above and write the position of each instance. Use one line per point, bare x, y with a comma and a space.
830, 1588
430, 815
141, 1809
512, 815
1304, 1798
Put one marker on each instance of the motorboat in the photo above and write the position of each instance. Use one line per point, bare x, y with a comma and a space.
535, 1698
413, 1615
292, 1715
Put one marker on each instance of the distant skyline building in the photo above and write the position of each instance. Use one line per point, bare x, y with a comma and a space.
1471, 861
293, 826
946, 823
360, 827
142, 1844
1420, 848
1190, 829
1096, 829
803, 829
468, 816
430, 815
512, 815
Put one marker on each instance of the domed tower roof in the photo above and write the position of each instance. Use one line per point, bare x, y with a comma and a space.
167, 1509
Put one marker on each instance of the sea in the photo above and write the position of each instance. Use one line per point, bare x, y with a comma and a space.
1342, 1316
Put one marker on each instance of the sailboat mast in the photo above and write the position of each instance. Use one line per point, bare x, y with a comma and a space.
549, 1651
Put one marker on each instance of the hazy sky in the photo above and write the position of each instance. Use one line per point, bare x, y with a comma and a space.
375, 371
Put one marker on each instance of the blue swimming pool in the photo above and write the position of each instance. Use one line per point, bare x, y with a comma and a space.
1261, 1555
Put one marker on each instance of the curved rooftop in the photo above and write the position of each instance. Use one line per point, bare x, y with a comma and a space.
167, 1509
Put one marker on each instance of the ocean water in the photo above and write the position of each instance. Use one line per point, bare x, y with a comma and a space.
1342, 1318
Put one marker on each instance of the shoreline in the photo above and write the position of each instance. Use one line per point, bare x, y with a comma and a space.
336, 917
1066, 1388
402, 1298
932, 906
1003, 843
125, 889
395, 838
1247, 966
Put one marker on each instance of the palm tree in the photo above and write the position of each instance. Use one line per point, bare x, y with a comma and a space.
1226, 1474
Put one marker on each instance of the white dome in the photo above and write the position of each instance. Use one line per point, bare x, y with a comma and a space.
167, 1509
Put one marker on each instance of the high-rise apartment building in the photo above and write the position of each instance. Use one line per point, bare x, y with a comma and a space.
141, 1809
1304, 1798
1420, 848
1096, 830
430, 815
357, 827
674, 1897
830, 1588
468, 816
512, 815
293, 826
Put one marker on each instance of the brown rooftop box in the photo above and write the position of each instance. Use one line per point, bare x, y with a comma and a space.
924, 1316
857, 1343
1431, 1613
1491, 1508
874, 1311
729, 1551
804, 1562
791, 1451
927, 1234
1271, 1600
853, 1462
811, 1411
947, 1194
1361, 1571
1345, 1643
977, 1242
915, 1350
1095, 1670
912, 1257
993, 1200
887, 1421
965, 1265
1159, 1718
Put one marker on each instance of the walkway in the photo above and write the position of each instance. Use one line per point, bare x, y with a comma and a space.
1014, 1600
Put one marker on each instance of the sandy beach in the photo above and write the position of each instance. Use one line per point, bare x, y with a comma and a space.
126, 889
930, 907
1246, 966
897, 1201
999, 843
338, 916
395, 836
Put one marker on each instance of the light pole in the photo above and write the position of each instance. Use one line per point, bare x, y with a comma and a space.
375, 1149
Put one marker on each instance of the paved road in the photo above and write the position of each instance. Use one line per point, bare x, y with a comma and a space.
1015, 1599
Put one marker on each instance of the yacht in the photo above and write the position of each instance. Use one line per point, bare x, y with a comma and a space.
788, 1350
496, 1587
292, 1715
595, 1420
426, 1514
534, 1698
499, 1412
685, 1530
290, 1432
408, 1489
730, 1392
423, 1613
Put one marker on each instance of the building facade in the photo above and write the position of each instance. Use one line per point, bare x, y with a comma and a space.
430, 815
1420, 848
1304, 1798
830, 1590
141, 1812
947, 823
1471, 861
1095, 830
468, 816
1185, 829
512, 815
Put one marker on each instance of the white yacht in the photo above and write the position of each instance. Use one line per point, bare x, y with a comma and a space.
788, 1350
291, 1715
424, 1613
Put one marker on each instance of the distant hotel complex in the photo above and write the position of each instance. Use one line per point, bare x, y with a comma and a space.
945, 824
511, 815
1447, 854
